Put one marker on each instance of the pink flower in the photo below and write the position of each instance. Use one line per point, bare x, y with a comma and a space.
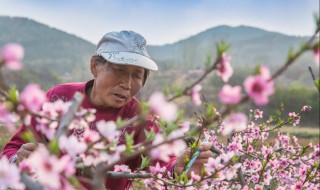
50, 167
195, 177
298, 186
9, 120
185, 126
306, 108
122, 168
157, 169
259, 89
11, 55
55, 109
213, 164
9, 175
72, 145
32, 97
225, 71
230, 95
295, 117
283, 162
90, 136
165, 151
234, 122
232, 171
267, 177
195, 96
258, 114
266, 151
154, 184
258, 187
265, 72
166, 110
316, 55
108, 129
46, 127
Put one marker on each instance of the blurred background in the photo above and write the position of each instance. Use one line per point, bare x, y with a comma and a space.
60, 36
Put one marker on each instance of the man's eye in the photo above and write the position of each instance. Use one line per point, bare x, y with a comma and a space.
138, 76
118, 69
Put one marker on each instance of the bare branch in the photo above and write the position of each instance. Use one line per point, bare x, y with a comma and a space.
118, 175
67, 118
29, 183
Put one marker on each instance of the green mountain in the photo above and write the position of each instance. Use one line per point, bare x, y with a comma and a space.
248, 46
51, 55
54, 56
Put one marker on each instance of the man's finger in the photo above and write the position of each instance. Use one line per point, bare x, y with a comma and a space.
205, 146
29, 146
205, 155
201, 161
23, 153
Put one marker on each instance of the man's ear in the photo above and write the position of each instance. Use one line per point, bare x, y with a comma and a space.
93, 67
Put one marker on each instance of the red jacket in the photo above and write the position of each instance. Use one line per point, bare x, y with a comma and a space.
65, 92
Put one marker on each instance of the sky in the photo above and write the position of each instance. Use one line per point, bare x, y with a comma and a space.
165, 21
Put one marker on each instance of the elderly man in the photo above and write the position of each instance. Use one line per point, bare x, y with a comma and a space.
120, 68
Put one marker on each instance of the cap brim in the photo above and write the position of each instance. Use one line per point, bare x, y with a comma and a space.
128, 58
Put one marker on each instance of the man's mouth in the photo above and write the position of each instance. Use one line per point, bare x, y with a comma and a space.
121, 96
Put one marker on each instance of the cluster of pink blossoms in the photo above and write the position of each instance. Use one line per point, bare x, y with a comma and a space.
11, 55
258, 88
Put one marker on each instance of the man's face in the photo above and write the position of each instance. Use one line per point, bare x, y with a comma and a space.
115, 85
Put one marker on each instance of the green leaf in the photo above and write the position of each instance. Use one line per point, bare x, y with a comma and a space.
186, 159
291, 54
221, 48
28, 137
119, 122
208, 61
13, 94
129, 142
183, 177
145, 162
177, 90
149, 134
75, 183
210, 111
317, 83
171, 127
234, 159
195, 146
263, 126
54, 147
304, 149
257, 70
145, 107
166, 90
180, 113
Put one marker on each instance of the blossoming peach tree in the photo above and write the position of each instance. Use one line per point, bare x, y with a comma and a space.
242, 157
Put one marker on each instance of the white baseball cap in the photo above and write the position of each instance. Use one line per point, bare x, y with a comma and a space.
125, 48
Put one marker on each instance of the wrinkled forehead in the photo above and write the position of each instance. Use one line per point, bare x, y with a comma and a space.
128, 67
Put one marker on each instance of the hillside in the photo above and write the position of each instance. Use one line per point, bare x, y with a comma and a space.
248, 46
52, 56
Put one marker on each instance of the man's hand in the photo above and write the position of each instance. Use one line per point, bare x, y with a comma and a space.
25, 150
197, 166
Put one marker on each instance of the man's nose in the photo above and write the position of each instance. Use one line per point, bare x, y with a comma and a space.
126, 81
